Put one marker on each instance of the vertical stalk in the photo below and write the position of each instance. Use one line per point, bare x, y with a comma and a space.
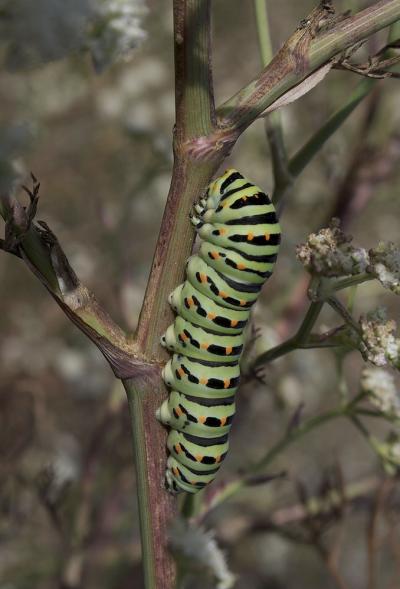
273, 123
155, 510
191, 174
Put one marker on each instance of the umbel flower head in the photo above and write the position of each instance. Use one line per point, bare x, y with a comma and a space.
381, 389
330, 253
378, 337
385, 265
115, 30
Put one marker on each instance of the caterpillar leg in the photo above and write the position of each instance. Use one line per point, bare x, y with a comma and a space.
178, 478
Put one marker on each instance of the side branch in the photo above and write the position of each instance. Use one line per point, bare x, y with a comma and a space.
297, 59
39, 248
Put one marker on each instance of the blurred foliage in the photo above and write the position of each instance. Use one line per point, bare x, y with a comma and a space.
101, 146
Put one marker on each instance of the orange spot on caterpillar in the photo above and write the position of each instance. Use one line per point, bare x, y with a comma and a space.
199, 458
201, 419
240, 266
181, 372
242, 303
217, 459
228, 350
183, 336
178, 448
234, 322
190, 302
203, 278
211, 316
223, 294
227, 382
222, 421
267, 236
175, 470
204, 346
215, 255
222, 231
204, 381
250, 236
178, 411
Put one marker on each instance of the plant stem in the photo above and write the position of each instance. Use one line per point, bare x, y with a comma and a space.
312, 147
273, 123
156, 507
285, 71
194, 121
294, 342
289, 438
351, 281
191, 174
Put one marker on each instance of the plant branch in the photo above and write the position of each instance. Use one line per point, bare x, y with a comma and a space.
301, 55
39, 248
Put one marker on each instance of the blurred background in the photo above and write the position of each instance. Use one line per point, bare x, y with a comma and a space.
96, 131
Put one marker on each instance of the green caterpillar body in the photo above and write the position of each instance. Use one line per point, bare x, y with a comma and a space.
240, 240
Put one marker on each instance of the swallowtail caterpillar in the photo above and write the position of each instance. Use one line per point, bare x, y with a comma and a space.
240, 236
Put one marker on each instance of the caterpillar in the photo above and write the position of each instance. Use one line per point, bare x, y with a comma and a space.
240, 236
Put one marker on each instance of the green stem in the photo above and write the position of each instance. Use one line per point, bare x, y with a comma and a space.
273, 123
154, 512
313, 146
298, 340
287, 440
139, 450
350, 281
343, 312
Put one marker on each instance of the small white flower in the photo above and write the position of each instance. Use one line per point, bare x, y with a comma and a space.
378, 336
385, 265
381, 388
330, 253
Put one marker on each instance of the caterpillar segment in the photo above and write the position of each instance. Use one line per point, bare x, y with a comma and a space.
240, 236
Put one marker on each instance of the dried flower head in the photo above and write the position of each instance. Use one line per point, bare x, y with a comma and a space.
330, 253
378, 337
115, 30
381, 389
385, 265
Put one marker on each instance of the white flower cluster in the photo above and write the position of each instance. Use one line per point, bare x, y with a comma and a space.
200, 551
330, 253
378, 336
385, 265
33, 33
381, 389
115, 30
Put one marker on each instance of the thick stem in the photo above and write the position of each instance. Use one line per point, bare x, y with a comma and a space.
156, 507
191, 174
